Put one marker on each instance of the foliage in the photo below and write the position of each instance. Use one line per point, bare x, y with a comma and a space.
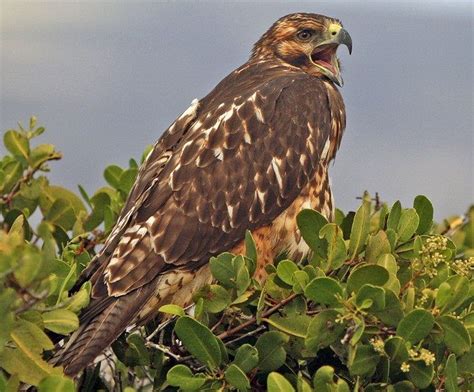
383, 304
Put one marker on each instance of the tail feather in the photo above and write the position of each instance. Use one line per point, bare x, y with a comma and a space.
99, 332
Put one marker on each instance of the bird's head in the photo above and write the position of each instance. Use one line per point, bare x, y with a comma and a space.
307, 41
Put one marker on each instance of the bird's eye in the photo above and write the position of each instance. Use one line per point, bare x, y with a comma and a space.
304, 35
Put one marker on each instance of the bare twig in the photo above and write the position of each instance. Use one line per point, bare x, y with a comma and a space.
246, 335
253, 320
165, 350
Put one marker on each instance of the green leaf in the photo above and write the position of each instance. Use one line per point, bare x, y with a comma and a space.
364, 361
346, 224
394, 216
301, 280
451, 374
241, 274
377, 246
443, 294
43, 153
181, 376
51, 193
237, 378
374, 293
323, 379
457, 295
61, 321
360, 230
246, 357
127, 179
466, 362
323, 330
112, 175
271, 354
250, 247
368, 273
468, 322
285, 270
62, 214
216, 298
12, 385
310, 222
424, 209
80, 299
25, 360
396, 349
469, 229
420, 374
29, 366
407, 224
336, 249
277, 383
358, 331
323, 290
388, 262
175, 310
403, 386
416, 325
56, 383
30, 338
222, 269
392, 313
84, 195
136, 344
17, 143
456, 337
29, 267
295, 325
12, 172
199, 341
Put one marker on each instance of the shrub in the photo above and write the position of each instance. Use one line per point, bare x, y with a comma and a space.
384, 304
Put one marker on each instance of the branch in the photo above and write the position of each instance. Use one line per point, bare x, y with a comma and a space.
253, 320
7, 198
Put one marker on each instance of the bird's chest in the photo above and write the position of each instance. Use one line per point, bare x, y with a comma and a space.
317, 195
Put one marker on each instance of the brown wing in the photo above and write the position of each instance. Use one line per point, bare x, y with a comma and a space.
236, 166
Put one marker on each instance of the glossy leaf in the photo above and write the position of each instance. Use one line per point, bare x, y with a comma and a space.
310, 223
425, 212
367, 274
416, 325
285, 270
271, 353
277, 383
360, 230
199, 341
56, 383
237, 378
323, 290
181, 376
455, 335
246, 357
451, 374
61, 321
420, 374
17, 143
407, 224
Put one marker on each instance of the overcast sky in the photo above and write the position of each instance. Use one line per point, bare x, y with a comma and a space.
107, 78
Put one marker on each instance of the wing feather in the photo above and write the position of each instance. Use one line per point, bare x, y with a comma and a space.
237, 162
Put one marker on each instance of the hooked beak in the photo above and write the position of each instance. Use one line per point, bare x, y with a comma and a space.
324, 54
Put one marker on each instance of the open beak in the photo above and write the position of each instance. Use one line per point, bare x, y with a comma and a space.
324, 54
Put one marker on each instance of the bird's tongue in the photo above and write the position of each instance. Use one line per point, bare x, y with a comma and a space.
325, 57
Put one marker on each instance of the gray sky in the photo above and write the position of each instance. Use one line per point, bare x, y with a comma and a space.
107, 78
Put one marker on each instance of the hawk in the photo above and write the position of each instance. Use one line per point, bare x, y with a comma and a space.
248, 156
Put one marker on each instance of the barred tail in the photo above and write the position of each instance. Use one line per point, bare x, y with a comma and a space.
98, 332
